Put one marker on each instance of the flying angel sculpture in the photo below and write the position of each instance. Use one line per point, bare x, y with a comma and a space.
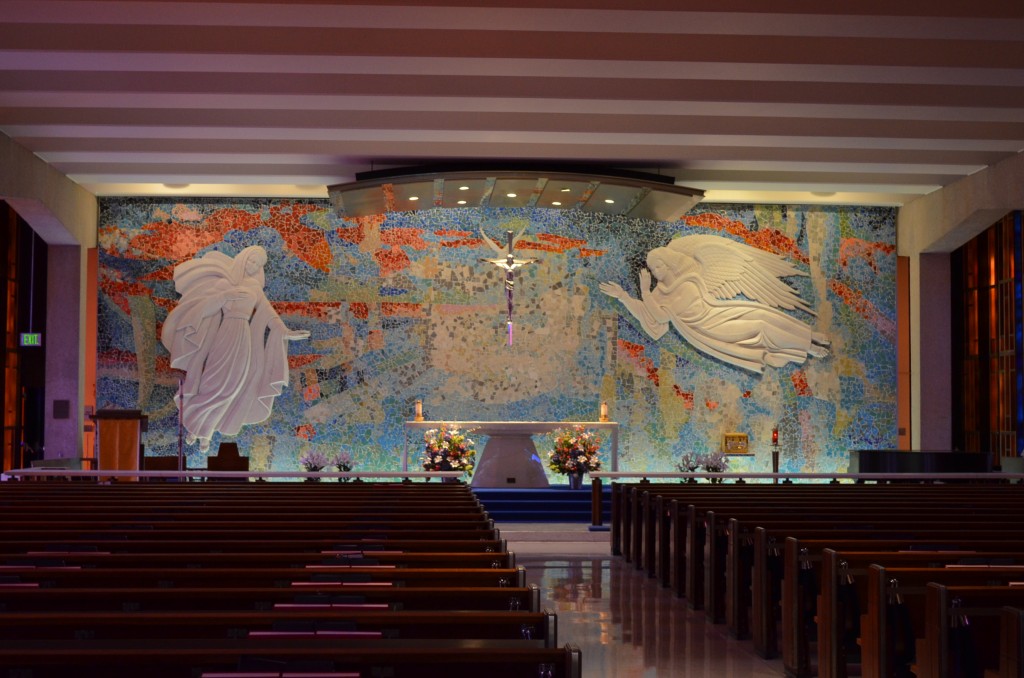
727, 299
229, 341
509, 263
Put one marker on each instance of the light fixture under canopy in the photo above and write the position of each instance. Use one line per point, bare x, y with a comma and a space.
626, 193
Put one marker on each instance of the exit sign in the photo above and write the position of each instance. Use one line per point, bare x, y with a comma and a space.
31, 339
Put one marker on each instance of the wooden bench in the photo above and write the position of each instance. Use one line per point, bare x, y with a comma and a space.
227, 577
318, 544
846, 595
399, 559
965, 634
370, 624
803, 580
309, 657
268, 576
22, 599
982, 592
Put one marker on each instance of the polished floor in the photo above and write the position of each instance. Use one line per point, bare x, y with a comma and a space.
625, 623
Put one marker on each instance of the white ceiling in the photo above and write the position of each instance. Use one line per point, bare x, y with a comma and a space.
867, 102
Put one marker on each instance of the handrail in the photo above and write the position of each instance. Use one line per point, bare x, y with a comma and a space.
45, 472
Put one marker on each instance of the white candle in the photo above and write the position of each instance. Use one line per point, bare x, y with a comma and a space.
604, 411
419, 409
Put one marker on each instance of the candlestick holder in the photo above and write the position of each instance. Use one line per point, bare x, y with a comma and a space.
775, 454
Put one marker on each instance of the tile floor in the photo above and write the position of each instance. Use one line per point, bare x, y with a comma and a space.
625, 624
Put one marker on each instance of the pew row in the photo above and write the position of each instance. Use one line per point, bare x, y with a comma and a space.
309, 657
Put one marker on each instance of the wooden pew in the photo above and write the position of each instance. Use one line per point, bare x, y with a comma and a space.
370, 624
631, 524
317, 545
22, 599
1011, 642
844, 596
730, 556
654, 530
312, 658
227, 577
221, 531
248, 533
801, 578
991, 633
983, 587
399, 559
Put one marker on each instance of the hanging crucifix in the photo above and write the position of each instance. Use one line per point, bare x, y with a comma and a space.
509, 263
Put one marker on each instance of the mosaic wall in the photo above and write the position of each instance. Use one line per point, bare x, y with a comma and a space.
401, 308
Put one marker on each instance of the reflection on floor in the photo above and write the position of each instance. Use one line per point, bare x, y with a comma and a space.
625, 623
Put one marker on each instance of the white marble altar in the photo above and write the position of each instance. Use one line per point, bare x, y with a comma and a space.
510, 457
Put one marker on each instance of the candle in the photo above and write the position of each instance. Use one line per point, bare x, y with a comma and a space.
419, 410
604, 411
775, 436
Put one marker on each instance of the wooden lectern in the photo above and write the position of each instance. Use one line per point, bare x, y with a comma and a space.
119, 433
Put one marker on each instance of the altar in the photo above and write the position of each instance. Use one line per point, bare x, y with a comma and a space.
510, 457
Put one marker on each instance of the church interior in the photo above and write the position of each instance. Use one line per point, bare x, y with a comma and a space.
661, 315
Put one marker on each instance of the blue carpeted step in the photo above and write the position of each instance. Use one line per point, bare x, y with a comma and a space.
553, 504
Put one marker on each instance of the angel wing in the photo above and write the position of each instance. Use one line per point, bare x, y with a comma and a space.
729, 269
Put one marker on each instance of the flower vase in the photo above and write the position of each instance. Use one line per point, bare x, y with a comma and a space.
575, 480
447, 466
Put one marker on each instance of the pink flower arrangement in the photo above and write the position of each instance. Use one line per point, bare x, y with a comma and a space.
575, 449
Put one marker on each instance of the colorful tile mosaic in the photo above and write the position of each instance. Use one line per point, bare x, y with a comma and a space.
401, 308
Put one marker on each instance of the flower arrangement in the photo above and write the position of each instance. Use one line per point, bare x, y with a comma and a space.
714, 462
343, 462
690, 462
448, 449
575, 450
313, 460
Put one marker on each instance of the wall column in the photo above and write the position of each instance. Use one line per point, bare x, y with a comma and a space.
65, 359
935, 354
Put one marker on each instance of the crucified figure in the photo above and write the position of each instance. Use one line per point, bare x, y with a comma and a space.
509, 263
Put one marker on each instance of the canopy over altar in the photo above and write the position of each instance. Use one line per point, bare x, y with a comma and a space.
510, 458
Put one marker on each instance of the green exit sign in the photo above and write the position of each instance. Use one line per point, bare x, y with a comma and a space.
31, 339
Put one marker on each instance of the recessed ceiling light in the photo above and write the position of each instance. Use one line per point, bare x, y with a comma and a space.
374, 192
414, 197
609, 201
462, 202
555, 202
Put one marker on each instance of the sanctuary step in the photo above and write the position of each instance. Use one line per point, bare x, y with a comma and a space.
556, 504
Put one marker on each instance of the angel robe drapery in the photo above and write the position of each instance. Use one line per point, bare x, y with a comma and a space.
229, 341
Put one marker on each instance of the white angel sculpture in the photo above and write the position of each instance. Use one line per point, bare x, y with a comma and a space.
229, 341
699, 278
